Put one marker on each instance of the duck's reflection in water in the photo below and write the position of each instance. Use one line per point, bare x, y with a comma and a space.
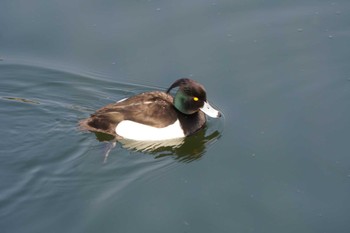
182, 149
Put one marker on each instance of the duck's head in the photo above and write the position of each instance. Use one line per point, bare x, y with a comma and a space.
191, 98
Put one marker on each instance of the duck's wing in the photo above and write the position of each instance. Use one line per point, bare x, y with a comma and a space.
150, 108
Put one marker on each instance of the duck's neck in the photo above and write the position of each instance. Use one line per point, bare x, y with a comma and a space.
192, 123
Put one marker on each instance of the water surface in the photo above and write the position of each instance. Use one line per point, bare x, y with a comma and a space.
279, 71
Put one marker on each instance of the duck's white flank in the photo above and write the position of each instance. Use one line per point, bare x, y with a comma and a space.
140, 132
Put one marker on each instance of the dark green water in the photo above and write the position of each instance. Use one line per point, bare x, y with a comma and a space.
278, 162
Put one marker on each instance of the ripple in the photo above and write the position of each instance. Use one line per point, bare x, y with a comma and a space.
48, 160
23, 100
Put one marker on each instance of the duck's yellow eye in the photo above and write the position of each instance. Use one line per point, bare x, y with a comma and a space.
195, 98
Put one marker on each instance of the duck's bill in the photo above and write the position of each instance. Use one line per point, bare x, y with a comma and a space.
210, 111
